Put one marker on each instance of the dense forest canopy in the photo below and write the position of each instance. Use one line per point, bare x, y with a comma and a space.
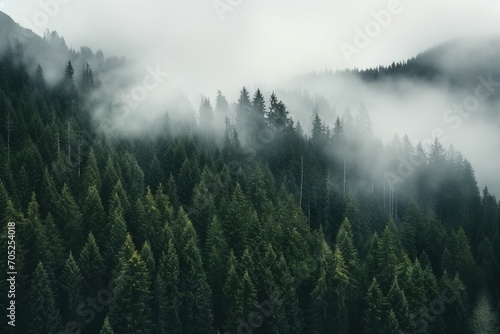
260, 229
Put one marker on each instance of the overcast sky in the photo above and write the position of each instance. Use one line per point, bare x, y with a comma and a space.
249, 41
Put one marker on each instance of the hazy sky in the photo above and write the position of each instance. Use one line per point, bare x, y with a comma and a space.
249, 41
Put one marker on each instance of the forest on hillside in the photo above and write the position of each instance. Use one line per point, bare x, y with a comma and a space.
260, 228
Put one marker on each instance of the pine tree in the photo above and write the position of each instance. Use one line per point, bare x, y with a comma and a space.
329, 295
231, 285
216, 252
40, 79
239, 219
436, 153
196, 310
54, 243
398, 303
456, 313
35, 237
345, 244
93, 216
126, 251
318, 137
48, 197
256, 118
44, 315
151, 230
69, 215
92, 266
258, 104
110, 178
206, 112
91, 175
72, 284
172, 193
130, 308
117, 233
87, 80
167, 294
148, 259
460, 259
375, 315
164, 205
221, 105
203, 208
106, 327
387, 257
277, 114
243, 110
247, 264
154, 173
246, 299
484, 320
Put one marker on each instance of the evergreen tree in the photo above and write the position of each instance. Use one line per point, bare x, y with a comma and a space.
318, 133
196, 307
239, 219
72, 284
243, 110
387, 257
203, 208
92, 266
484, 320
345, 244
69, 214
44, 314
375, 316
277, 114
221, 105
216, 252
106, 327
246, 299
398, 303
35, 237
93, 216
167, 292
206, 113
118, 231
91, 175
231, 285
151, 229
148, 259
130, 308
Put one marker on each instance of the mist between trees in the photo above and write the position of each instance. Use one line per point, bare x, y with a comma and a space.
232, 219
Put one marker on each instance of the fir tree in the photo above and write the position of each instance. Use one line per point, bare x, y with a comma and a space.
72, 284
130, 309
44, 314
167, 293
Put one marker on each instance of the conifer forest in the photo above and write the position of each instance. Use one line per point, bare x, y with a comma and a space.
237, 217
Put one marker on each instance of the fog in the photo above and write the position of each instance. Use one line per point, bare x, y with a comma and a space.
256, 41
209, 45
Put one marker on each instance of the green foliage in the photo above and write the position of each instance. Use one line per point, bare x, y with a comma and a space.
167, 295
44, 314
72, 284
131, 296
268, 229
92, 265
69, 214
106, 327
378, 317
